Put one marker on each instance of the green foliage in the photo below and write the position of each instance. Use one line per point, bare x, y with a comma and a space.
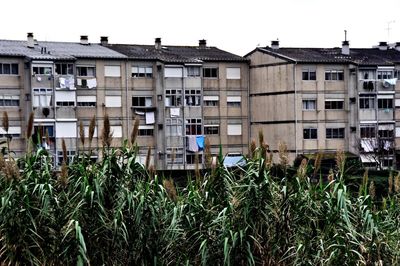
116, 212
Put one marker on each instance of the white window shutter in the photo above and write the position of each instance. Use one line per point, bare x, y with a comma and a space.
112, 71
173, 72
233, 72
80, 99
65, 96
117, 131
113, 101
234, 130
66, 130
235, 99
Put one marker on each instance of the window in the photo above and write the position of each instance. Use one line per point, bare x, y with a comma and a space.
174, 155
64, 69
191, 158
42, 97
60, 157
210, 100
86, 131
210, 72
334, 75
9, 100
387, 162
66, 130
8, 69
113, 101
13, 132
367, 74
385, 133
233, 73
146, 130
335, 133
65, 98
385, 74
367, 101
142, 101
112, 71
233, 101
43, 130
234, 129
309, 74
65, 104
367, 131
310, 133
42, 70
386, 130
334, 104
116, 131
309, 104
85, 71
193, 126
385, 103
87, 101
211, 129
142, 72
192, 97
173, 97
173, 127
173, 72
193, 71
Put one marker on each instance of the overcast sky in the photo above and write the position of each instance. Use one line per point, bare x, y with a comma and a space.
235, 26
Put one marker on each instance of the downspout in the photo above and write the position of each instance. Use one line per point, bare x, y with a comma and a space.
126, 99
295, 110
248, 107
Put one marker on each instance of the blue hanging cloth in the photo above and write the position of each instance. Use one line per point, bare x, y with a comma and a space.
200, 142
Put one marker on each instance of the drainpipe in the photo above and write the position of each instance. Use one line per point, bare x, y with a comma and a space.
295, 111
248, 107
127, 100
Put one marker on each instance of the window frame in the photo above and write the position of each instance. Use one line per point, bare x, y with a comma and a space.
310, 133
334, 75
384, 103
335, 133
146, 73
209, 71
311, 74
12, 66
79, 70
306, 103
69, 67
193, 127
334, 104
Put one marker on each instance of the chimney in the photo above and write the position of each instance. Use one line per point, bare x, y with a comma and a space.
30, 41
158, 43
202, 43
275, 45
84, 40
383, 46
397, 46
345, 48
103, 40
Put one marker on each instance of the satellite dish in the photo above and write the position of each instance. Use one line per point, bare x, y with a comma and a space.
46, 111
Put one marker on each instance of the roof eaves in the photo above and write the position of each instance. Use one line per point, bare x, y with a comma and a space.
277, 54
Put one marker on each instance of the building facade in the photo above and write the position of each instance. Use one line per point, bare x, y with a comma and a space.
181, 94
318, 99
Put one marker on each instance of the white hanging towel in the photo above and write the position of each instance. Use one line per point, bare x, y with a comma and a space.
150, 118
387, 82
175, 112
62, 83
192, 144
91, 83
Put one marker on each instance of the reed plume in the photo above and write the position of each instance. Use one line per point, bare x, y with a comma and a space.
106, 133
135, 130
82, 134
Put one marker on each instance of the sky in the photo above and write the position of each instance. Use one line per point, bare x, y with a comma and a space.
232, 25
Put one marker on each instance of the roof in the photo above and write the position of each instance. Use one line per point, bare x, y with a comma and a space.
358, 56
176, 54
57, 50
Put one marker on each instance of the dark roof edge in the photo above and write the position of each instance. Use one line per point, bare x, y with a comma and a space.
276, 55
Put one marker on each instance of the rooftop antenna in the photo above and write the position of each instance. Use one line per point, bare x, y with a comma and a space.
345, 35
388, 29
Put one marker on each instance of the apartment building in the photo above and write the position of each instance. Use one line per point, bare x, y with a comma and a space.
181, 94
318, 99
